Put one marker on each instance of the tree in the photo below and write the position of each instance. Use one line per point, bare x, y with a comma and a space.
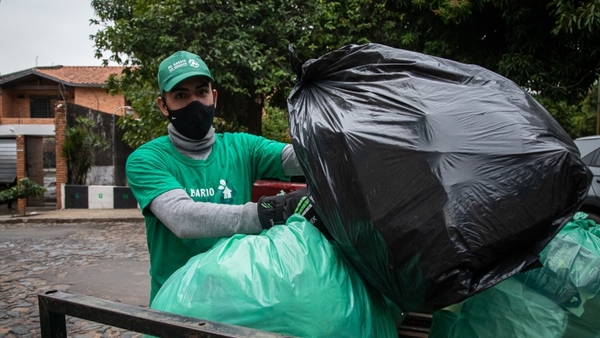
81, 143
275, 124
23, 189
549, 47
577, 119
244, 44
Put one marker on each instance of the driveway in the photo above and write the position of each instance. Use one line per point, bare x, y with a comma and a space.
104, 260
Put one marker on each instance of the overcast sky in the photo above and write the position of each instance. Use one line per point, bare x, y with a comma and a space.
45, 33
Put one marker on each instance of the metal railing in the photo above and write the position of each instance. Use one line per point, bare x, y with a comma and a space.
54, 306
415, 325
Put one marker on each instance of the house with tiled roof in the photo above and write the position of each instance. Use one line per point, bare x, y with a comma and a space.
32, 93
30, 103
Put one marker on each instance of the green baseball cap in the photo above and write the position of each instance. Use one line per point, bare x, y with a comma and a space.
179, 67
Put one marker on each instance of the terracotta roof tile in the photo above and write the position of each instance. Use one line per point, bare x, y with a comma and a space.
79, 75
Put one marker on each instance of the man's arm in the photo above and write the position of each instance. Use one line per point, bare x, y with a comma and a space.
189, 219
289, 162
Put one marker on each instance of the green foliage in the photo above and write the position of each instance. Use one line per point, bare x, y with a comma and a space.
81, 143
577, 119
275, 124
590, 106
548, 47
23, 189
244, 44
150, 122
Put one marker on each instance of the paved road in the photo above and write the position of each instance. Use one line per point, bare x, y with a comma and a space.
108, 260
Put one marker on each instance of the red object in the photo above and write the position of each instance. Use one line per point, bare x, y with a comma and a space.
272, 188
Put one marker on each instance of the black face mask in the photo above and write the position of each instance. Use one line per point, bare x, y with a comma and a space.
194, 120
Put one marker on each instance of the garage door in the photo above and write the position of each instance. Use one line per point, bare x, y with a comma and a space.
8, 160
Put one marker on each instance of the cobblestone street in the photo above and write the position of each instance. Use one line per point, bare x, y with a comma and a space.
104, 260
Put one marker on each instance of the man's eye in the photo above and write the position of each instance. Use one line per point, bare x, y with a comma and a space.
179, 95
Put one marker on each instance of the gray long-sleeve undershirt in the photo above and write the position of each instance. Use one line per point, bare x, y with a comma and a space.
189, 219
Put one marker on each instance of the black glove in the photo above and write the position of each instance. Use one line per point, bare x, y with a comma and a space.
275, 210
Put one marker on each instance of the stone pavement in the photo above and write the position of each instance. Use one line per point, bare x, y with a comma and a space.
99, 253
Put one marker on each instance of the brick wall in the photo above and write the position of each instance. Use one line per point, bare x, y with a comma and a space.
59, 139
26, 121
98, 99
3, 103
17, 102
21, 169
7, 105
19, 107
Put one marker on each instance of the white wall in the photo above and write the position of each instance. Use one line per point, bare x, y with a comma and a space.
101, 175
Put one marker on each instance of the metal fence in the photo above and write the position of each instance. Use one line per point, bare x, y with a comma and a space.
54, 306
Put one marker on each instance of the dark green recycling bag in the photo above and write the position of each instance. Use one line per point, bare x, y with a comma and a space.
289, 279
506, 310
560, 299
571, 275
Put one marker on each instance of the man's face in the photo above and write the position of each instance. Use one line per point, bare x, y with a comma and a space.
195, 88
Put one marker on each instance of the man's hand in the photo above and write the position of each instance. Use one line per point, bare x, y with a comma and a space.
305, 208
275, 210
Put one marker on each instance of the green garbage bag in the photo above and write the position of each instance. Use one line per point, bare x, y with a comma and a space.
570, 275
571, 266
559, 299
587, 325
506, 310
289, 279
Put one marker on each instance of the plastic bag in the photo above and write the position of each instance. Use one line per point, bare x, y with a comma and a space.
437, 179
287, 280
571, 266
507, 310
570, 275
560, 299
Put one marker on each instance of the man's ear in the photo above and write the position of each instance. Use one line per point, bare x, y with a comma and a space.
162, 106
215, 96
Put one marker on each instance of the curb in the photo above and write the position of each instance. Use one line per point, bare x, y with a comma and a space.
37, 220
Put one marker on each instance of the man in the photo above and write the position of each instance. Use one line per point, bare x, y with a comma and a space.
8, 186
194, 185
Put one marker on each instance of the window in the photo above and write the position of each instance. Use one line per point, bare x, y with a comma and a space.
592, 159
587, 159
40, 107
596, 160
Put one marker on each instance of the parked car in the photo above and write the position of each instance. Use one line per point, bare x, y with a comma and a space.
50, 185
589, 147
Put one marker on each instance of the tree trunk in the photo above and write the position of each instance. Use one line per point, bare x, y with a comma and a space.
255, 110
22, 206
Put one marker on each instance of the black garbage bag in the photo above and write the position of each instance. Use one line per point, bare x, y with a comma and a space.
437, 179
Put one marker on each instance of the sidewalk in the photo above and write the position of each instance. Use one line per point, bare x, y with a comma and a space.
49, 214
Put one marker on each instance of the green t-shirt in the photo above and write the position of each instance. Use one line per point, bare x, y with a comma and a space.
226, 176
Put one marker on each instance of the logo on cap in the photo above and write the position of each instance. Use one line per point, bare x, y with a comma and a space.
178, 67
183, 63
193, 63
